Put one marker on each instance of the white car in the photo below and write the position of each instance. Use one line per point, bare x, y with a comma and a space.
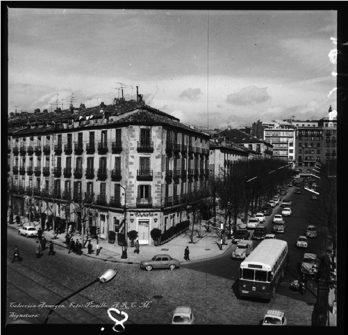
252, 223
302, 242
270, 236
261, 217
183, 316
311, 231
276, 199
277, 218
286, 211
272, 203
274, 318
27, 231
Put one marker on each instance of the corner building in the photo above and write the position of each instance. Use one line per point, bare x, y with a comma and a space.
129, 162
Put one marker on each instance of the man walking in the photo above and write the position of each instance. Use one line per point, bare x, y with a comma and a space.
51, 252
71, 246
137, 246
187, 254
38, 249
16, 254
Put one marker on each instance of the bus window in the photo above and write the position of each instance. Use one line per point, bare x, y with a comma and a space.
248, 274
270, 276
260, 275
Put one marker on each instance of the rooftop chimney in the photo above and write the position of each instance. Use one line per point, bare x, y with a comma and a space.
137, 95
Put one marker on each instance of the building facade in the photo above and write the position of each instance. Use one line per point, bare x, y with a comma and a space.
132, 166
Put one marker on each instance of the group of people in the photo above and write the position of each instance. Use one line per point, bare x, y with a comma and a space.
74, 246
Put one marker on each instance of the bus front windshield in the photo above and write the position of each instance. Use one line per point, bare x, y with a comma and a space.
257, 275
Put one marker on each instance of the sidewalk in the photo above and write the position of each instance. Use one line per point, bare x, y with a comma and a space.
202, 248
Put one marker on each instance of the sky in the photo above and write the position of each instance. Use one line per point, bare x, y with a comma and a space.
210, 69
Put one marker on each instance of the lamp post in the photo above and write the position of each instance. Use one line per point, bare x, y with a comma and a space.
124, 244
104, 278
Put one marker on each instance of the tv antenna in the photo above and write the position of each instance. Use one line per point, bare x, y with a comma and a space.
72, 99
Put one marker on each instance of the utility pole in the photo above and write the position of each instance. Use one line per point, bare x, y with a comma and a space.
124, 245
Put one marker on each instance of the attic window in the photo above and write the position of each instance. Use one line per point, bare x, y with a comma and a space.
48, 137
39, 138
31, 138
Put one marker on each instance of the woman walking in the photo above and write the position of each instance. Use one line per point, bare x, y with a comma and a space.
137, 246
16, 254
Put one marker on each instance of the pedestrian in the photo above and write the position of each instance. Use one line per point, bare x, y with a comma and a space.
71, 246
187, 254
51, 252
47, 225
39, 234
78, 246
43, 243
89, 247
38, 249
16, 254
136, 244
67, 239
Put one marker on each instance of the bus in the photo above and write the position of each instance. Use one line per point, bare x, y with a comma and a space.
262, 270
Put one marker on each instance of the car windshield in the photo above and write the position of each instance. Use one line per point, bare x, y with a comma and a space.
302, 239
243, 246
154, 258
310, 228
272, 320
31, 228
181, 319
308, 260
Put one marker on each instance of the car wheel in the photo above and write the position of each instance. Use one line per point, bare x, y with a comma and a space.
148, 267
172, 267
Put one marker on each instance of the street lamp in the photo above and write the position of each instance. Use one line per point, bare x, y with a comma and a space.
124, 244
104, 278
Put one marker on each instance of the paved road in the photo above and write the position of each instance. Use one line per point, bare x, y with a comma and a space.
147, 297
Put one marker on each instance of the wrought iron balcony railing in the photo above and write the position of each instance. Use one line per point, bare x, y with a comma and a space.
68, 149
30, 150
67, 172
47, 149
22, 170
145, 146
23, 150
90, 148
57, 171
115, 201
116, 175
15, 150
101, 199
78, 148
102, 174
38, 150
102, 148
58, 149
144, 202
46, 171
89, 173
78, 172
116, 147
144, 175
37, 170
89, 197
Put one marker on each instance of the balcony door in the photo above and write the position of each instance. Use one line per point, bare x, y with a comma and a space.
145, 137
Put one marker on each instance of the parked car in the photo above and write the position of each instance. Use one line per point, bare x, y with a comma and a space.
302, 242
283, 192
267, 209
161, 261
272, 203
309, 264
286, 211
261, 217
279, 227
260, 232
277, 218
28, 231
274, 318
183, 316
243, 249
298, 190
277, 199
311, 231
241, 234
286, 203
252, 223
270, 236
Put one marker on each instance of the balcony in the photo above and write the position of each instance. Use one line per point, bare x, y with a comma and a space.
77, 196
15, 151
45, 193
176, 147
89, 173
56, 193
38, 151
176, 199
78, 173
101, 199
183, 173
37, 191
144, 175
102, 148
66, 195
46, 171
177, 174
145, 146
47, 149
21, 189
190, 173
102, 174
168, 201
169, 146
78, 148
190, 149
89, 197
8, 148
198, 150
58, 149
67, 172
115, 202
116, 175
169, 174
90, 148
57, 171
37, 170
116, 147
183, 148
68, 149
144, 202
23, 150
30, 150
22, 170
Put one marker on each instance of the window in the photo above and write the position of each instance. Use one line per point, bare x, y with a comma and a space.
144, 191
68, 162
79, 163
67, 185
90, 163
79, 139
104, 138
57, 185
77, 187
318, 151
144, 163
291, 144
90, 188
102, 163
291, 151
47, 185
145, 136
118, 163
69, 140
59, 162
117, 192
118, 134
91, 137
59, 140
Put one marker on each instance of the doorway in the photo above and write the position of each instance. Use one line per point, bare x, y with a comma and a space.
143, 230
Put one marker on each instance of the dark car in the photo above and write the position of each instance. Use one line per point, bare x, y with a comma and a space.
241, 234
267, 210
260, 232
298, 190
